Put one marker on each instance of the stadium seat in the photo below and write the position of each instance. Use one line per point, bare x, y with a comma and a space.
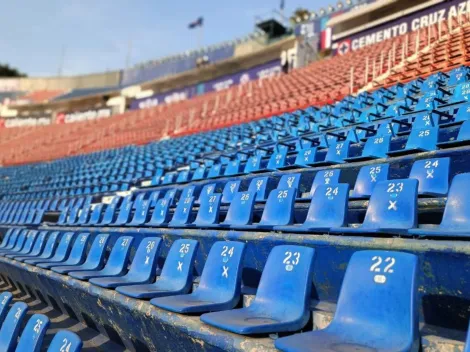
467, 343
141, 207
306, 157
367, 178
142, 269
110, 211
219, 287
65, 341
11, 326
33, 334
5, 300
328, 208
463, 138
38, 247
392, 209
76, 251
18, 245
419, 140
208, 213
176, 276
433, 176
456, 218
240, 211
161, 213
277, 307
260, 187
115, 265
50, 248
374, 148
27, 247
361, 320
229, 192
324, 177
124, 212
94, 260
7, 235
183, 213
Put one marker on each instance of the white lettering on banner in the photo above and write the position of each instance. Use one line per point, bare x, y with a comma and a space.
223, 85
269, 72
415, 24
87, 115
176, 97
29, 121
148, 103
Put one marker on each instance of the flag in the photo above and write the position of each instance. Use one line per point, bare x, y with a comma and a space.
282, 4
198, 23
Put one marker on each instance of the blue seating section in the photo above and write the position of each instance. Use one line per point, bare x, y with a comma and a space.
173, 226
18, 335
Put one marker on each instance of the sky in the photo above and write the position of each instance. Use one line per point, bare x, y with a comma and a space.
95, 35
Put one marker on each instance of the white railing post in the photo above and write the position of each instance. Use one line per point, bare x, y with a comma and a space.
351, 80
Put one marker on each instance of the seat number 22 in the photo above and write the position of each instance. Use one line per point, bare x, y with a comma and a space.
382, 266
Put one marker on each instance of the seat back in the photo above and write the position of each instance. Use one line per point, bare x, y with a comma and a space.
372, 276
39, 243
433, 176
5, 300
95, 216
119, 256
6, 236
221, 276
367, 178
377, 146
287, 266
21, 240
259, 186
161, 212
206, 191
240, 211
464, 131
306, 156
329, 206
457, 210
63, 248
423, 139
252, 164
51, 245
289, 181
11, 326
78, 251
393, 205
230, 189
279, 208
65, 341
277, 160
124, 211
182, 215
145, 261
208, 213
325, 177
338, 152
30, 238
97, 250
141, 212
177, 272
33, 334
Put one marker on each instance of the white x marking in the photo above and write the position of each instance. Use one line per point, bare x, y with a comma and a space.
180, 266
225, 273
430, 173
393, 205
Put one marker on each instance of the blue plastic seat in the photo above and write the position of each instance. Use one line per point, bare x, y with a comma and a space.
367, 178
260, 187
325, 177
116, 263
277, 160
46, 253
208, 213
240, 211
110, 211
124, 213
176, 276
419, 140
38, 247
362, 322
95, 216
392, 208
467, 344
219, 287
375, 147
15, 236
7, 235
65, 341
336, 154
456, 218
461, 93
206, 191
289, 181
11, 326
328, 208
253, 164
5, 300
276, 307
33, 334
306, 157
433, 176
161, 213
94, 260
18, 245
62, 252
463, 138
142, 269
183, 213
141, 211
229, 192
76, 257
460, 117
27, 247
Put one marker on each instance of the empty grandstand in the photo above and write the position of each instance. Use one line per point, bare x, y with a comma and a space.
301, 189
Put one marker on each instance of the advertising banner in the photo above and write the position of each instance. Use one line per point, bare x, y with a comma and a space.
405, 24
25, 121
268, 69
85, 115
9, 85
